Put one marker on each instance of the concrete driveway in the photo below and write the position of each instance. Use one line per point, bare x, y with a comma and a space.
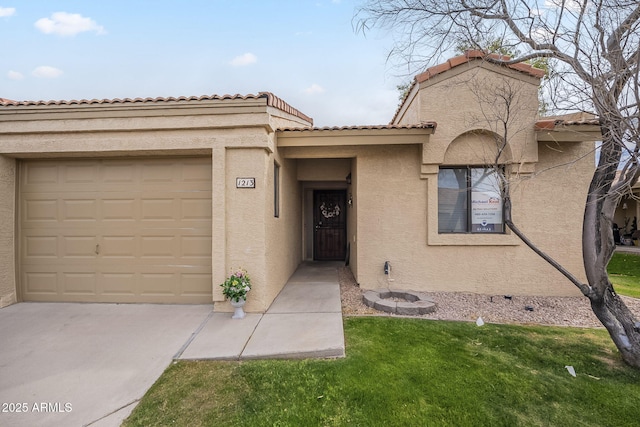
86, 364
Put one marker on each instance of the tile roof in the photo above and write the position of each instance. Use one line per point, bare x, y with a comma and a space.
423, 125
472, 55
275, 102
570, 119
272, 101
548, 124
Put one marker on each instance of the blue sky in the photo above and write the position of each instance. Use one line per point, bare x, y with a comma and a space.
305, 52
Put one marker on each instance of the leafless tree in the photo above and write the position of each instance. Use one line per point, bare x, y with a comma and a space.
595, 46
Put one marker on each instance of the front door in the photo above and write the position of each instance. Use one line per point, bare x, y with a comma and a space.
330, 225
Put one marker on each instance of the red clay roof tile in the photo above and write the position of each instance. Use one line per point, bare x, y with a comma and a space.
545, 124
526, 68
457, 60
423, 125
550, 124
471, 55
272, 101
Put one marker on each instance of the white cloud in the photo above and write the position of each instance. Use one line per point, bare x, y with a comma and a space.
47, 72
7, 11
314, 89
244, 60
573, 5
14, 75
68, 24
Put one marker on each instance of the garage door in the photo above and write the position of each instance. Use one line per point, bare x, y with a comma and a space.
116, 230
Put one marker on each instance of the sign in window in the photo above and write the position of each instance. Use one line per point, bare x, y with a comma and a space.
469, 201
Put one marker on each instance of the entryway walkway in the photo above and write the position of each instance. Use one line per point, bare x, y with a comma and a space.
305, 320
628, 249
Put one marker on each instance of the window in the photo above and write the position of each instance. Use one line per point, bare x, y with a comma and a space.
469, 201
276, 190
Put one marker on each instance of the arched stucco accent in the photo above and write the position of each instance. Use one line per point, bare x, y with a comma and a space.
476, 147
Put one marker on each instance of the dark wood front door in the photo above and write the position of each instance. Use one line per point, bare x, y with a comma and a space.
330, 225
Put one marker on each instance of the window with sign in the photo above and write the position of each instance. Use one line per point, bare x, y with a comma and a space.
469, 200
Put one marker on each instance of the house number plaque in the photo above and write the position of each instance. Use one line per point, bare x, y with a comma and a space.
245, 183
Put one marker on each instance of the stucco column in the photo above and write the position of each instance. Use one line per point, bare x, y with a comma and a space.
7, 231
218, 226
245, 214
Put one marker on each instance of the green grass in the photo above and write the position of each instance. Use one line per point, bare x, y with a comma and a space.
411, 372
624, 273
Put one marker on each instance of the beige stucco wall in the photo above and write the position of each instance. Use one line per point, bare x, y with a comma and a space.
284, 233
7, 231
391, 203
245, 212
463, 101
552, 202
323, 169
352, 218
396, 207
269, 248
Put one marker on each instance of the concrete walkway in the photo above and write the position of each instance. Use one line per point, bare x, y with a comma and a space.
628, 249
305, 320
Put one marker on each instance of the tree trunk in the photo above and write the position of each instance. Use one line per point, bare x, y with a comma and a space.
620, 323
598, 248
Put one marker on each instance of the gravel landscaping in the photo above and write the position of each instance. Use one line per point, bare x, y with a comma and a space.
559, 311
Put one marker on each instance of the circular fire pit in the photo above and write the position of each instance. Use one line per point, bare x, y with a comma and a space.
399, 302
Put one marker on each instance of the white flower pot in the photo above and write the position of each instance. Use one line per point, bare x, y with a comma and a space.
239, 312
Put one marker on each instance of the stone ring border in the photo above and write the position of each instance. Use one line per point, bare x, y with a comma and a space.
416, 303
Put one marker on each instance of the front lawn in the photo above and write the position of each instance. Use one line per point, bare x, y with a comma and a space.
411, 372
624, 273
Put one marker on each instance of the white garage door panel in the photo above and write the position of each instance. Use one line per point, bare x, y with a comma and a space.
116, 230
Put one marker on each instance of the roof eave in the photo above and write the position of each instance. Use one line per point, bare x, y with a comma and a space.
355, 136
559, 131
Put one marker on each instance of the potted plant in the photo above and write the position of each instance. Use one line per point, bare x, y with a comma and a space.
235, 289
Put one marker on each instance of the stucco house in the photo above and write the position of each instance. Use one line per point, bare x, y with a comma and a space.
156, 200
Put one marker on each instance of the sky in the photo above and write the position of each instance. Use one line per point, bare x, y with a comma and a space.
306, 52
